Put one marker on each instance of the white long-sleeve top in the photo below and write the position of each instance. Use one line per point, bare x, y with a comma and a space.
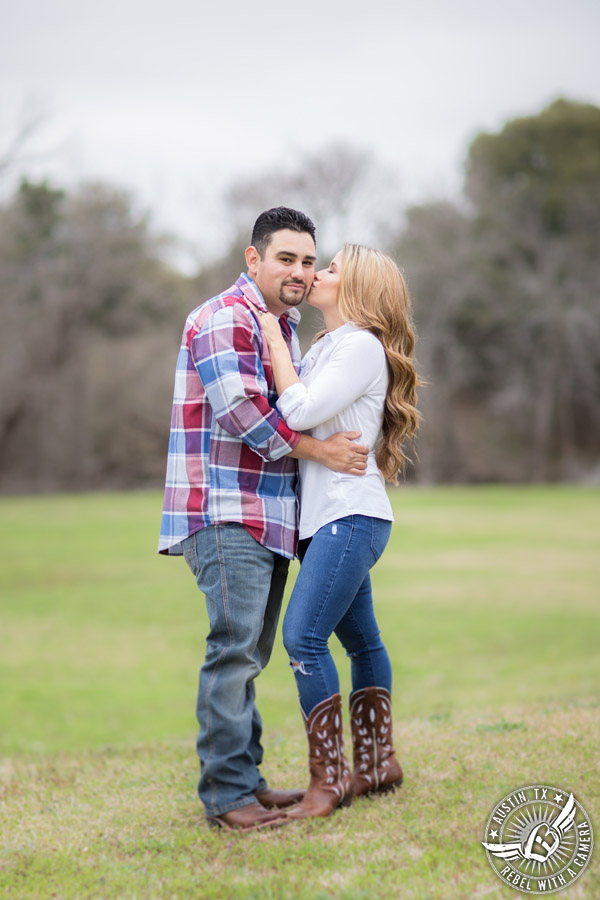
343, 384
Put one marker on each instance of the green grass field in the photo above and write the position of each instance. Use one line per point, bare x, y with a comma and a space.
488, 602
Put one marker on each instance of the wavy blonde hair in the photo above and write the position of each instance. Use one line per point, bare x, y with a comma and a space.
373, 295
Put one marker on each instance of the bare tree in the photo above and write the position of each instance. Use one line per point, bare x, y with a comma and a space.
19, 148
81, 272
347, 192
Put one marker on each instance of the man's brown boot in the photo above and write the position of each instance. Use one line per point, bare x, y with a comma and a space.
376, 768
330, 778
248, 818
271, 798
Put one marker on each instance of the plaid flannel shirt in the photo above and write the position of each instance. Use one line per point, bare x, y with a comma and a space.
228, 446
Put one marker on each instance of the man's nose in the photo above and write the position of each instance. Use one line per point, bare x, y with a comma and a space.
298, 271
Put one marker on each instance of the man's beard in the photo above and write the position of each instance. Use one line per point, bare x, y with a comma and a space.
295, 298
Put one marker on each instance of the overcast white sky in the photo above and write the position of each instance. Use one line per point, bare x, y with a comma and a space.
173, 98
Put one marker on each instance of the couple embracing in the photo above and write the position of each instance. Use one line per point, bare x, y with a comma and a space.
254, 430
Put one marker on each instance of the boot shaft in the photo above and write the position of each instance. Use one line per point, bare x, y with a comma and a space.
327, 760
374, 758
330, 776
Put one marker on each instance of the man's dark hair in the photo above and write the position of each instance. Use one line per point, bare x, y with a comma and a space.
275, 220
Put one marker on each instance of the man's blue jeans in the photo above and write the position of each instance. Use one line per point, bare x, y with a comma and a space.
243, 583
333, 594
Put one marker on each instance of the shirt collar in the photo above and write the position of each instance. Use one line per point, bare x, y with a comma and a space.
338, 333
251, 292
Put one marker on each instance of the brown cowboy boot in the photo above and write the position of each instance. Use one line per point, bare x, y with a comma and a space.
271, 798
330, 779
248, 818
376, 768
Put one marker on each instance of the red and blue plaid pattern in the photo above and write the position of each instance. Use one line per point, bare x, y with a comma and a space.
228, 446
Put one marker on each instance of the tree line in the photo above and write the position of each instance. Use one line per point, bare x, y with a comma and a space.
506, 294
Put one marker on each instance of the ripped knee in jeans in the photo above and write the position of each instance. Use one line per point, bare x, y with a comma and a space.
298, 667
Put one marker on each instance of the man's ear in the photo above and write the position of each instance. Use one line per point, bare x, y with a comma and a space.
252, 260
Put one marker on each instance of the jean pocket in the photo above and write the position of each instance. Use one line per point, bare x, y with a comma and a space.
380, 535
190, 553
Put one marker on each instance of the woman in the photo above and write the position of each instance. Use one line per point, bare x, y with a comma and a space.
359, 376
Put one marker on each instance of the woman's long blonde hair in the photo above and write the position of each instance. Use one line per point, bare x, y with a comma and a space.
373, 295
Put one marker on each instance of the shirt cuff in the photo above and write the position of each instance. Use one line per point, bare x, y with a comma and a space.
291, 399
287, 434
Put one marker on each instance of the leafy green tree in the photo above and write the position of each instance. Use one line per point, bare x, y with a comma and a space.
548, 164
41, 209
535, 190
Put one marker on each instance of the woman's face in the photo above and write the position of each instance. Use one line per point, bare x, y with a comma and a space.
324, 291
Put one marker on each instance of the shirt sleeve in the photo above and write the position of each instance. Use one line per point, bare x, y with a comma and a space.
226, 354
356, 361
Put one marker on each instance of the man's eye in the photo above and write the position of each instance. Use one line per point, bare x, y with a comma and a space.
285, 259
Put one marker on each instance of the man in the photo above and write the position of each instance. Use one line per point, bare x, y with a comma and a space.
230, 503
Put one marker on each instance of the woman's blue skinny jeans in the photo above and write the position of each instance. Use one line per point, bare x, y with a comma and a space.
332, 594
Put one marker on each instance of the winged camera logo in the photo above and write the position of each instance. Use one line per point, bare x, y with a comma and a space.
539, 839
